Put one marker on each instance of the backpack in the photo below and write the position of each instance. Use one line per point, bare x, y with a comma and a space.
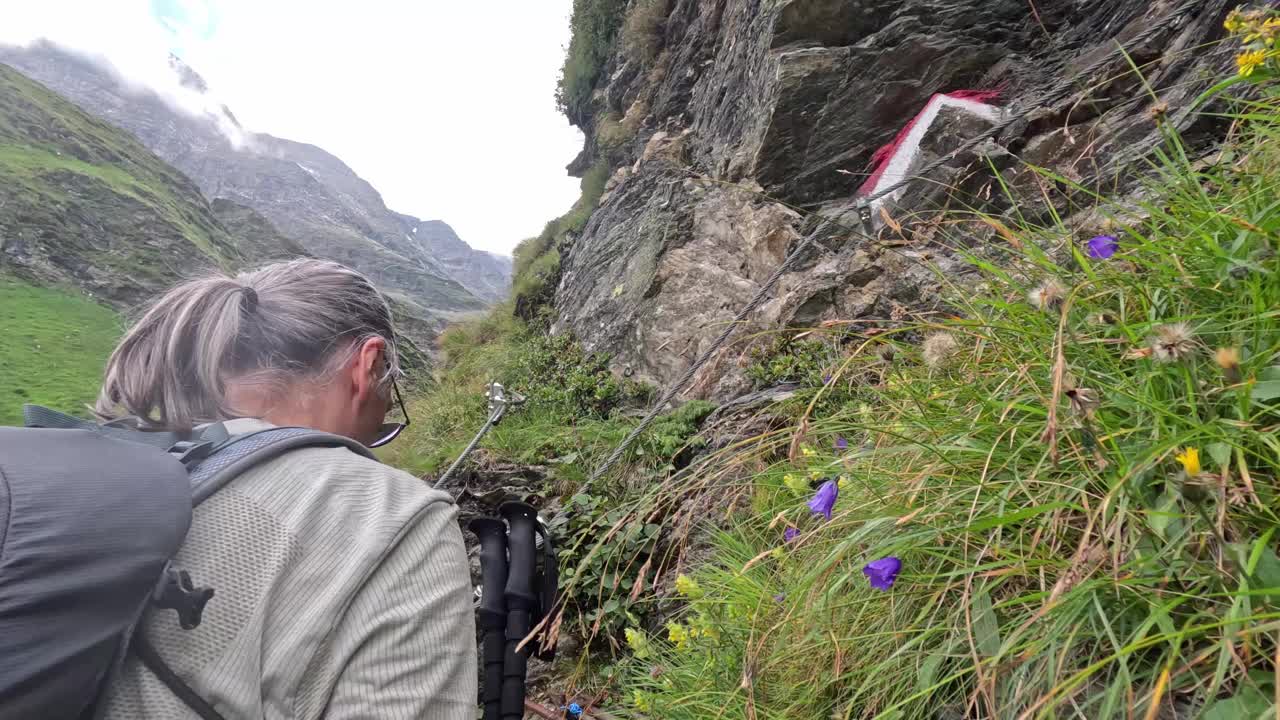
90, 519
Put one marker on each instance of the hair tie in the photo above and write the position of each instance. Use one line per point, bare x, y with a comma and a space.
248, 300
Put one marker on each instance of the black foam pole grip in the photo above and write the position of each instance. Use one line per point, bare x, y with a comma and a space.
522, 552
494, 662
492, 614
520, 603
515, 665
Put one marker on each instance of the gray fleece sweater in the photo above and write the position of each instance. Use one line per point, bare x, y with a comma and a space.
343, 592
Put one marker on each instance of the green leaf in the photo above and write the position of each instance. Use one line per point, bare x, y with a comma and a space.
1268, 569
1247, 704
1220, 452
986, 630
1264, 679
1162, 516
1258, 547
928, 672
1266, 390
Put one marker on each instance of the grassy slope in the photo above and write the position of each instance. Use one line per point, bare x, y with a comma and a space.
55, 344
1058, 559
43, 136
85, 207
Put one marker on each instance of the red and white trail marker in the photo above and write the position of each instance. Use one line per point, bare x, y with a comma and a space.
891, 163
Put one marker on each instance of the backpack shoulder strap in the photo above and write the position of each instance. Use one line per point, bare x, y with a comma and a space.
35, 416
236, 454
165, 674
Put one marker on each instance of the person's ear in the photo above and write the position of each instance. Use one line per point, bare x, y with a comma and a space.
369, 366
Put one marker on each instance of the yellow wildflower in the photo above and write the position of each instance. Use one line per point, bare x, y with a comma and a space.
638, 643
1190, 460
1250, 61
688, 587
641, 701
842, 482
702, 626
796, 483
678, 635
808, 451
1234, 22
815, 474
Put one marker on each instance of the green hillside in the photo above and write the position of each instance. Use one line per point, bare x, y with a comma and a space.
86, 209
85, 204
56, 343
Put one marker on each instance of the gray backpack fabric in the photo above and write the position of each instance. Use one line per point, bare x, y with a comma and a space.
90, 517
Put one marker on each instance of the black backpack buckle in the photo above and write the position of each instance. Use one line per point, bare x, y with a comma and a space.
191, 453
176, 592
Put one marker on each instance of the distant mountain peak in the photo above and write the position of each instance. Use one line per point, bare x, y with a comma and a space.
187, 77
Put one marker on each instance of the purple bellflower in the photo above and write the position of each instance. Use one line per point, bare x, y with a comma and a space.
883, 572
842, 444
825, 499
790, 534
1102, 247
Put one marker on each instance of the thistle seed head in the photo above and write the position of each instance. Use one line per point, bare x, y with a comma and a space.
1048, 295
1173, 342
938, 348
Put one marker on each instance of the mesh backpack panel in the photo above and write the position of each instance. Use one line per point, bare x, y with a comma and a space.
89, 523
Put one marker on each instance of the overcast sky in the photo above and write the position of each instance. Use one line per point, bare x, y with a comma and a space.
446, 106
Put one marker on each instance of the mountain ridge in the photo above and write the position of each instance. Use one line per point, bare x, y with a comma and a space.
307, 193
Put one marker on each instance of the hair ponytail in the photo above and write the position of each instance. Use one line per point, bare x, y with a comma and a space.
275, 325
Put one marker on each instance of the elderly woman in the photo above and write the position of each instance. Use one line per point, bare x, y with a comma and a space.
342, 584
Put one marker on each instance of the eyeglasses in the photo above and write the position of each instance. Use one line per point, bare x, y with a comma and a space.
390, 431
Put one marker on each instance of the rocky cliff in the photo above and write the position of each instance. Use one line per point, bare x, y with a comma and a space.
308, 194
727, 126
486, 275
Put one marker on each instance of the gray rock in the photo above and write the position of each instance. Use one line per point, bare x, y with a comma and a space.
757, 108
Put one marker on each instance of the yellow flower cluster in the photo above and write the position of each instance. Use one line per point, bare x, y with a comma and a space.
678, 635
701, 626
1249, 61
638, 642
796, 483
688, 587
1259, 31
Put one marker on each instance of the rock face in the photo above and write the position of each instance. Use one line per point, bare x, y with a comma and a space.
755, 107
308, 194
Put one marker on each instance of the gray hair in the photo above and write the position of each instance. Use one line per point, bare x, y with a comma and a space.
274, 326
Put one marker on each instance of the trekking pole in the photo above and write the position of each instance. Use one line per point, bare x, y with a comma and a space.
499, 400
521, 602
492, 615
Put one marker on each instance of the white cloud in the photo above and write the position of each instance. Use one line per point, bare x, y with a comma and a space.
137, 51
447, 108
